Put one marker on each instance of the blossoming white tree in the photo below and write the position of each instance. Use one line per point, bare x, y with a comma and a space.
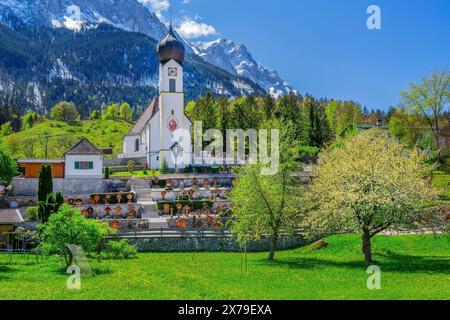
369, 184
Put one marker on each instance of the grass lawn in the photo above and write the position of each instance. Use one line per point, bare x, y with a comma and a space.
442, 180
413, 267
135, 174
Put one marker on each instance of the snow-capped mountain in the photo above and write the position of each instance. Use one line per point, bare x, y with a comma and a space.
129, 15
134, 16
236, 59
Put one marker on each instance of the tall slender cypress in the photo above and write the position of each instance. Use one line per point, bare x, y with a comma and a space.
45, 184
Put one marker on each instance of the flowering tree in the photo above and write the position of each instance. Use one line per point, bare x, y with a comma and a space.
264, 206
370, 184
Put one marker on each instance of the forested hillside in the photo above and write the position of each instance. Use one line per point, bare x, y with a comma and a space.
96, 66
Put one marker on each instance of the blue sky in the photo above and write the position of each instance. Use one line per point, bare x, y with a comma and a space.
323, 47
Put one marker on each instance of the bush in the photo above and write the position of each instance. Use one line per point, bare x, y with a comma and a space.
307, 151
164, 167
107, 173
120, 249
8, 167
32, 214
130, 165
69, 226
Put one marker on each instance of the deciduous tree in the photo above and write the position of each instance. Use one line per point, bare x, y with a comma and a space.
125, 112
64, 111
8, 167
431, 98
267, 205
69, 226
370, 184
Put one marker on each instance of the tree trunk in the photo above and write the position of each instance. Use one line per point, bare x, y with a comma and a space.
273, 246
367, 248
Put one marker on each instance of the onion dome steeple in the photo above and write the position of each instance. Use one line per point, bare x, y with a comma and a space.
171, 48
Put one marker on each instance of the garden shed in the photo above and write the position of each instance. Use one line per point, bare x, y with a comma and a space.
31, 167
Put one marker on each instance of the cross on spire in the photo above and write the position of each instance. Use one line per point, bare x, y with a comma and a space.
171, 14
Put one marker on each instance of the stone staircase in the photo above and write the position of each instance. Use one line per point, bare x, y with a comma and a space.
142, 187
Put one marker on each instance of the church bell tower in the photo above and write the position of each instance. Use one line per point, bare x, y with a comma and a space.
171, 54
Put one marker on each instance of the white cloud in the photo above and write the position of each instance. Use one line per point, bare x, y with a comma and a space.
190, 28
156, 5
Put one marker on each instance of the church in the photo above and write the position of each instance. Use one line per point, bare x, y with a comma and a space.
162, 133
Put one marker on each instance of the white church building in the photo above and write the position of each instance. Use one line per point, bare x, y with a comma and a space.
162, 133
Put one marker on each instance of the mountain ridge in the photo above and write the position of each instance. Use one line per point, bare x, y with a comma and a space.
241, 74
41, 66
236, 59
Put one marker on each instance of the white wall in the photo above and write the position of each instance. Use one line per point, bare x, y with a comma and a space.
129, 147
96, 172
154, 138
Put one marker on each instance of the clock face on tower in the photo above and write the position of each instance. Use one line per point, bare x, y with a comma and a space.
173, 72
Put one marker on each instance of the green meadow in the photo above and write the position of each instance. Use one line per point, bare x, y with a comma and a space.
412, 267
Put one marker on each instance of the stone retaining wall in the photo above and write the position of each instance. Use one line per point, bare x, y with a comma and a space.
210, 244
70, 187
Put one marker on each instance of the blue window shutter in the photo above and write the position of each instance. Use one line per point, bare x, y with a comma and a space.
91, 165
77, 165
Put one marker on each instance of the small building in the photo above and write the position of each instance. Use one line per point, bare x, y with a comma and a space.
31, 167
9, 220
84, 161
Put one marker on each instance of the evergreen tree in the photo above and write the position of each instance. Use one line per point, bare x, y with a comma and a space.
224, 117
107, 173
45, 184
318, 130
50, 206
164, 166
268, 106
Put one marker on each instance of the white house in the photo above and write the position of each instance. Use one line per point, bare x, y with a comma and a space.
84, 160
158, 129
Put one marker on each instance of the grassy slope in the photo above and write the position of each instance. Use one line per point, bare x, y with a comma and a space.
103, 133
413, 267
442, 180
